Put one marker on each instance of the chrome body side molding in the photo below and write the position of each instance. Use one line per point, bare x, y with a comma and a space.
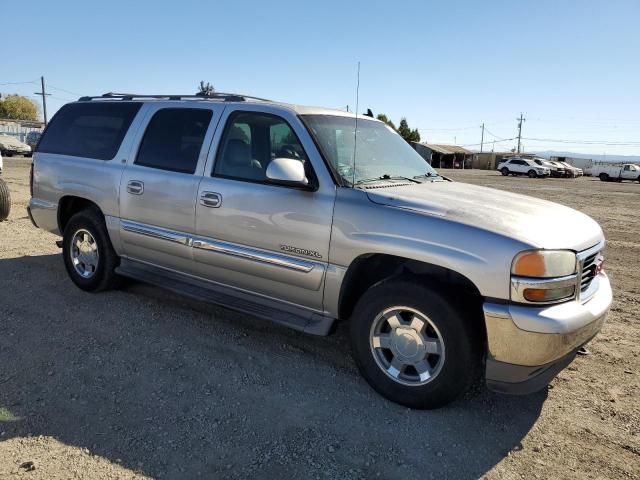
156, 232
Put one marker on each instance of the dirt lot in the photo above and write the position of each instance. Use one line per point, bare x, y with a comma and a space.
140, 383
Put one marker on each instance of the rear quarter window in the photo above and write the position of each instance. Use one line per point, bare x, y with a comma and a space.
91, 130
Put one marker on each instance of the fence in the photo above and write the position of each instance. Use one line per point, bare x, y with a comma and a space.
19, 129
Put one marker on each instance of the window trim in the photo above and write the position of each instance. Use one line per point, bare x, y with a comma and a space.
146, 130
312, 176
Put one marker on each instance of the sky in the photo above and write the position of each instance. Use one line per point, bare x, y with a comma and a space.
572, 67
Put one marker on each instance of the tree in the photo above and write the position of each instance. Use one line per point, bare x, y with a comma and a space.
406, 133
205, 89
383, 118
16, 107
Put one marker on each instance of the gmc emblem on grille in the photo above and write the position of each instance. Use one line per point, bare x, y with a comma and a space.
300, 251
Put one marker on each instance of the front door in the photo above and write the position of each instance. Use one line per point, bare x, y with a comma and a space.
269, 239
160, 183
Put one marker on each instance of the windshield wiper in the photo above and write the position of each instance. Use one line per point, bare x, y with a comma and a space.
428, 175
387, 177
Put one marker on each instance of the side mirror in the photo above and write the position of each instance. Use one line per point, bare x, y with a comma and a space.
287, 171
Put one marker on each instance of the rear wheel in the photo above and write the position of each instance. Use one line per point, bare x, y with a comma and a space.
505, 171
411, 346
5, 200
603, 177
88, 254
532, 174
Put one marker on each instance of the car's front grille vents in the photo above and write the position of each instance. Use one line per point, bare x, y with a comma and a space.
589, 271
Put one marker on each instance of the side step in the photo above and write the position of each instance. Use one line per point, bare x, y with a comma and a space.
278, 312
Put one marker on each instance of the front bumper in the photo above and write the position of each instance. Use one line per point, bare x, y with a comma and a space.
528, 346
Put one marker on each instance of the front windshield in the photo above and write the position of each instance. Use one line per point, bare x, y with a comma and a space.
380, 153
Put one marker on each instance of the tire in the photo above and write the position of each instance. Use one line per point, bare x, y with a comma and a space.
5, 200
532, 174
638, 178
604, 177
505, 171
102, 276
453, 372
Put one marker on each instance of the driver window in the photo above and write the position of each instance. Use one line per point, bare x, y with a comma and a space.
251, 141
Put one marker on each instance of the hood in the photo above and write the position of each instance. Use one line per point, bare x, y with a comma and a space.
536, 222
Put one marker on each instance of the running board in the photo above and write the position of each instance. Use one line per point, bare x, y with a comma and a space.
288, 315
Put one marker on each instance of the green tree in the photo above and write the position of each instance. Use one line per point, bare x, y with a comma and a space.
205, 89
383, 118
16, 107
406, 132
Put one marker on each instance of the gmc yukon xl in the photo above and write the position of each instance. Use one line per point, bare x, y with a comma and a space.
308, 216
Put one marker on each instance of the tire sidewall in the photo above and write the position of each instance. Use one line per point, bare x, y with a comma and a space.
91, 222
505, 172
454, 376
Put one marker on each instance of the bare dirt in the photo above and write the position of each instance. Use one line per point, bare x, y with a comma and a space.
140, 383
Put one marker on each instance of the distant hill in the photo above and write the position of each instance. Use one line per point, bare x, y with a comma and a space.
593, 156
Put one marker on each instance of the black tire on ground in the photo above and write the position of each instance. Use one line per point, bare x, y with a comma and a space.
505, 171
532, 174
104, 277
638, 178
462, 347
603, 177
5, 200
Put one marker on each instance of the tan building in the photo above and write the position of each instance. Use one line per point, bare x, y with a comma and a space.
444, 156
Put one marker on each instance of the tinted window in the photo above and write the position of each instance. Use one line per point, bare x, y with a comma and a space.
251, 141
173, 139
91, 129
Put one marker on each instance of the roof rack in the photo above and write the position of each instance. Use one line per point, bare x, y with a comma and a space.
227, 97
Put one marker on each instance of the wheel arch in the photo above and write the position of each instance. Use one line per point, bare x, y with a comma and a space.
69, 205
370, 269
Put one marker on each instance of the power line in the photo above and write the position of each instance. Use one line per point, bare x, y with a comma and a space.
584, 142
66, 91
18, 83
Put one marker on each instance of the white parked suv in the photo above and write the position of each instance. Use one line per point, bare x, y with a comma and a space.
523, 166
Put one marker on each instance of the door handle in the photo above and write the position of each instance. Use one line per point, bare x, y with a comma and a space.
135, 187
210, 199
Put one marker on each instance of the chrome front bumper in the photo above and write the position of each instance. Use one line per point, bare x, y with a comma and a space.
528, 346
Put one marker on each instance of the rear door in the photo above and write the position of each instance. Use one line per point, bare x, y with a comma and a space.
160, 183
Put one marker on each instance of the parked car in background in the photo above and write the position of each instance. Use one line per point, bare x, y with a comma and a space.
556, 171
10, 146
32, 140
561, 170
573, 172
523, 166
617, 173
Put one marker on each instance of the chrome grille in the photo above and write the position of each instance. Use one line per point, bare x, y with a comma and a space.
589, 271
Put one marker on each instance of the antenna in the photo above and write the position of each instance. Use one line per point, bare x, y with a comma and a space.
355, 131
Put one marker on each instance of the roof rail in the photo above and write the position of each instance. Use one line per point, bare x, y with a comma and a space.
227, 97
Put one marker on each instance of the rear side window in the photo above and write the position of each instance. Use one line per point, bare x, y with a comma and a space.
174, 138
91, 129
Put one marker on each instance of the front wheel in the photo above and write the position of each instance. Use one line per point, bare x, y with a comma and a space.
412, 346
603, 177
88, 254
532, 174
505, 171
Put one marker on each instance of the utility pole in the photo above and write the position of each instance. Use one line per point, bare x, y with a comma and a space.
520, 120
482, 138
44, 100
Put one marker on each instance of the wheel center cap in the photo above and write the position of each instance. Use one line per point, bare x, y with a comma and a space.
407, 344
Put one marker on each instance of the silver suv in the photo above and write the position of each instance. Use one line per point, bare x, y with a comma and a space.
308, 216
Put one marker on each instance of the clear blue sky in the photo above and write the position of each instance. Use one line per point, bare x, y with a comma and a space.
572, 66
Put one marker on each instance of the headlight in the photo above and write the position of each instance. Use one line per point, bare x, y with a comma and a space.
544, 276
544, 263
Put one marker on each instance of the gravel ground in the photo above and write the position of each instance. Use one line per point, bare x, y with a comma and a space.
140, 383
